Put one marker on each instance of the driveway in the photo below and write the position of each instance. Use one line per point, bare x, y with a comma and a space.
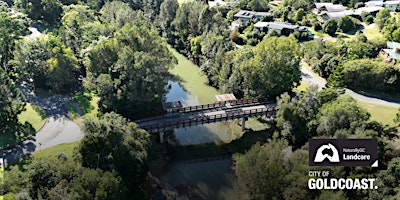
312, 79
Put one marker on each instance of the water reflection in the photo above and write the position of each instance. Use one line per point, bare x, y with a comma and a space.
213, 180
216, 132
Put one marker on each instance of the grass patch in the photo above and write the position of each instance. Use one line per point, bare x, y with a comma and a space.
192, 79
72, 111
380, 113
87, 102
32, 119
373, 33
302, 87
67, 149
34, 115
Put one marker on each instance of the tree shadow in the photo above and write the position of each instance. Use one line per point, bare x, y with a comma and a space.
15, 134
84, 99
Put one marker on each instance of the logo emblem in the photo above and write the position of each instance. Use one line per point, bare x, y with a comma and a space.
322, 154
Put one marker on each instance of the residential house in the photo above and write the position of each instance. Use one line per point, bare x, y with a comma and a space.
392, 53
392, 5
244, 16
374, 3
282, 28
371, 10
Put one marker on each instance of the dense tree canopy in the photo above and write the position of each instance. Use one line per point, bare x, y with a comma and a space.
12, 103
274, 69
48, 62
61, 178
130, 70
47, 10
113, 143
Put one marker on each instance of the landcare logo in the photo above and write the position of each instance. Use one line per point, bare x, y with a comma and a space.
343, 152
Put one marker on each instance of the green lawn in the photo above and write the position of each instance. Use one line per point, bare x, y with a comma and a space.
88, 104
302, 87
33, 115
380, 113
373, 33
67, 149
32, 119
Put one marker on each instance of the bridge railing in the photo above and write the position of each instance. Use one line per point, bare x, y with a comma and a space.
220, 104
208, 119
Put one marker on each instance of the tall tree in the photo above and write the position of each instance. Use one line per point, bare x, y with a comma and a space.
48, 62
130, 70
274, 69
12, 103
113, 143
381, 17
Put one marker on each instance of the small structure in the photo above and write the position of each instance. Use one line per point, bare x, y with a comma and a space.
170, 106
335, 8
392, 53
282, 28
225, 97
319, 7
392, 5
244, 16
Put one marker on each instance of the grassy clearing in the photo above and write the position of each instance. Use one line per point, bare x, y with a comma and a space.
67, 149
32, 119
373, 33
302, 87
380, 113
34, 115
88, 103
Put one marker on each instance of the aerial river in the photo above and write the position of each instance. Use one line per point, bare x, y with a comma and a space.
215, 179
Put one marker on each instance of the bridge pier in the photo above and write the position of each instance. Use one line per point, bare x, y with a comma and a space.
243, 123
161, 137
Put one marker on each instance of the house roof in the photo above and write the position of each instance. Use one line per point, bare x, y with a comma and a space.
320, 5
392, 53
245, 14
373, 3
261, 24
262, 14
393, 45
391, 2
338, 15
279, 26
335, 8
368, 9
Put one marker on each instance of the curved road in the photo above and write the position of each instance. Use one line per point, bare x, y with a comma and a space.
311, 78
58, 129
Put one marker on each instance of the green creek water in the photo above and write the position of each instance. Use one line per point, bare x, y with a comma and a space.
215, 179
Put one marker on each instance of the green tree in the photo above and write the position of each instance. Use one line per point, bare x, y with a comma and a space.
274, 69
47, 10
167, 14
330, 27
299, 15
48, 62
113, 143
346, 24
381, 17
260, 172
12, 103
341, 118
12, 27
130, 70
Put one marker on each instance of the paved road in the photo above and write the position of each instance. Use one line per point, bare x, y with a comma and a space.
58, 129
312, 79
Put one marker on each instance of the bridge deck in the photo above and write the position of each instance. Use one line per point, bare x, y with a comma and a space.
212, 114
